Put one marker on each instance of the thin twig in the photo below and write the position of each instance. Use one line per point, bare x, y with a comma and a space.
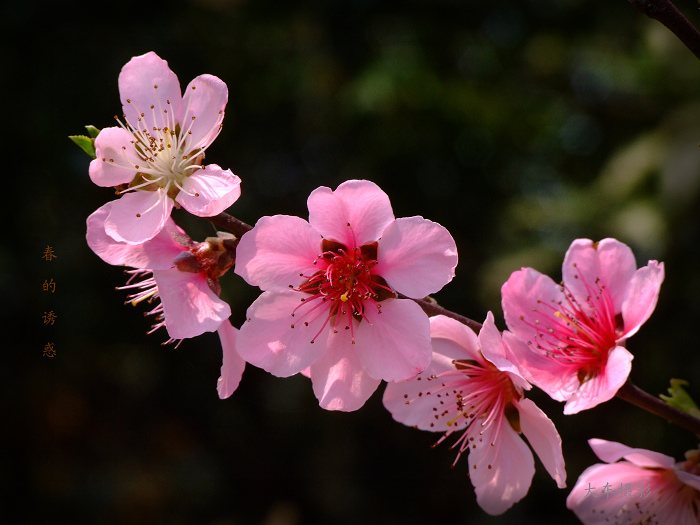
665, 12
638, 397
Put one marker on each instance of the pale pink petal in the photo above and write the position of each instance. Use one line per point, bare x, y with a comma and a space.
156, 254
493, 349
138, 216
689, 479
280, 251
609, 260
355, 214
410, 403
116, 158
610, 451
543, 438
138, 92
502, 473
339, 382
394, 345
594, 507
604, 386
268, 341
560, 382
209, 191
525, 298
189, 305
642, 295
416, 256
203, 105
454, 339
232, 365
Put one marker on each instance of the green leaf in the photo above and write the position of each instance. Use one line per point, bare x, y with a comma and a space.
86, 143
92, 131
680, 399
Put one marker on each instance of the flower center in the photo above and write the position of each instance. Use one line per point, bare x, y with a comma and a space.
580, 331
479, 394
166, 150
343, 287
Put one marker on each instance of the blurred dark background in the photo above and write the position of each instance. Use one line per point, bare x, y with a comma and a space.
518, 125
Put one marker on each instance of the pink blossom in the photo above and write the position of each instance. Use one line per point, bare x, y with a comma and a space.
569, 338
330, 292
159, 150
181, 273
472, 387
645, 487
232, 365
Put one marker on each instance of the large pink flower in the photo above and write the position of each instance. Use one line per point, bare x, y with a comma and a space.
569, 338
184, 275
330, 299
472, 387
157, 152
645, 487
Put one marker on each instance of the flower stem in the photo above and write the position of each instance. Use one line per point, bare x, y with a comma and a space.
665, 12
636, 396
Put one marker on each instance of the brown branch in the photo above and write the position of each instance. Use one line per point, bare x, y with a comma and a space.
638, 397
665, 12
227, 222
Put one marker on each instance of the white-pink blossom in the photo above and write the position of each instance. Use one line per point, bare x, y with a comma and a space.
174, 269
330, 286
471, 387
569, 338
645, 487
154, 157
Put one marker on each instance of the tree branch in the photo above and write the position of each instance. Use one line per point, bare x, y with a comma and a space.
665, 12
638, 397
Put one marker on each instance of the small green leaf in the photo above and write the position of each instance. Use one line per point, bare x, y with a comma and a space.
92, 131
86, 143
680, 399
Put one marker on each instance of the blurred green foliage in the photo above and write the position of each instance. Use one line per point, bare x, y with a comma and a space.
518, 125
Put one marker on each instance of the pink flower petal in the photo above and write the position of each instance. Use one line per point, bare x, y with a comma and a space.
232, 365
156, 254
604, 386
138, 216
610, 451
692, 480
138, 92
116, 158
356, 213
189, 305
394, 345
339, 382
543, 438
416, 256
204, 102
267, 340
209, 191
593, 507
493, 349
643, 292
609, 260
409, 406
274, 253
522, 296
560, 382
452, 339
502, 473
